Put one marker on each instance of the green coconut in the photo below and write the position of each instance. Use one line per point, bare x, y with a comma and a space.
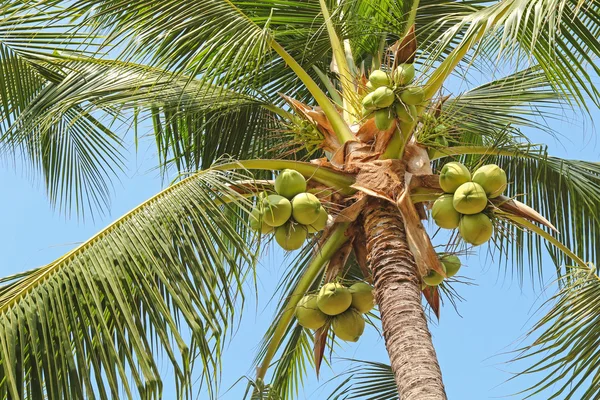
369, 87
406, 113
289, 183
470, 198
367, 102
453, 175
492, 179
362, 297
277, 210
349, 326
334, 298
413, 95
290, 236
444, 214
434, 278
308, 313
306, 208
404, 74
452, 264
476, 229
442, 141
379, 78
257, 223
382, 97
320, 223
383, 119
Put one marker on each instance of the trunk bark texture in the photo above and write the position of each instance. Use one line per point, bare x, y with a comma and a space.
398, 294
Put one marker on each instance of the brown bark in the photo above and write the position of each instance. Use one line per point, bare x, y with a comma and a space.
398, 294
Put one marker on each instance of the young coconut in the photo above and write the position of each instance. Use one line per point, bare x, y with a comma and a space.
492, 178
413, 95
362, 297
444, 214
404, 74
290, 236
405, 112
452, 264
334, 298
349, 326
367, 102
433, 278
308, 314
277, 210
469, 198
289, 183
383, 119
382, 97
379, 78
453, 175
476, 229
306, 208
320, 223
257, 223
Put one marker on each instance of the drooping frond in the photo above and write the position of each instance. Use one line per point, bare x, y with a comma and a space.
559, 35
367, 380
565, 347
512, 101
93, 323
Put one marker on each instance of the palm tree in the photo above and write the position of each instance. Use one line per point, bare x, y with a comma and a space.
237, 90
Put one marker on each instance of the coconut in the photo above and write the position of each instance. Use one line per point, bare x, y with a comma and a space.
334, 298
289, 183
433, 278
469, 198
382, 97
444, 214
362, 297
277, 210
379, 78
306, 208
369, 86
476, 229
320, 223
492, 179
404, 74
406, 113
452, 264
349, 326
453, 175
308, 313
367, 102
383, 119
290, 236
413, 95
442, 141
257, 223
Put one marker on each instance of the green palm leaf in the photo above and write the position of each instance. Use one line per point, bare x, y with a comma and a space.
565, 344
92, 323
367, 380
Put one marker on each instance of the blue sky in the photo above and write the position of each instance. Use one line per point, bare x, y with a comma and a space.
470, 343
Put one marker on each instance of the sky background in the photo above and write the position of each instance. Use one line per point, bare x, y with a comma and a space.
471, 343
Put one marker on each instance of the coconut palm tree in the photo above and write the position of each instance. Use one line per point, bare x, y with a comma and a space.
234, 91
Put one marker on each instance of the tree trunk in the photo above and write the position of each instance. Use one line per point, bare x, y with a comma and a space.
398, 294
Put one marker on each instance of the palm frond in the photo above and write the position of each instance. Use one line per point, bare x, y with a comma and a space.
92, 323
367, 380
565, 347
559, 35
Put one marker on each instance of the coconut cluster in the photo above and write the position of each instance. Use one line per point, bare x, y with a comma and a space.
292, 213
450, 264
342, 305
466, 198
391, 96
